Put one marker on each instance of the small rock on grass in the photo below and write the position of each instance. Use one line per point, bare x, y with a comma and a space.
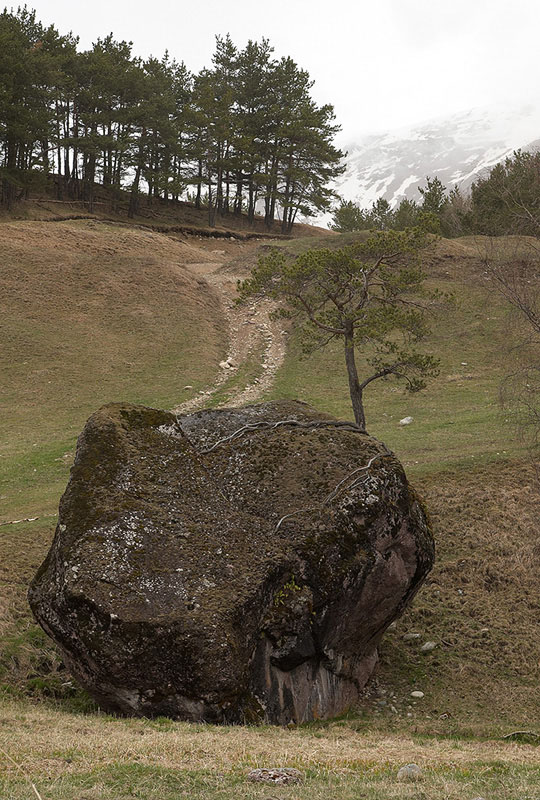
428, 647
410, 772
280, 776
417, 694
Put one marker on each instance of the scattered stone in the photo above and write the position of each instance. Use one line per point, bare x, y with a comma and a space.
157, 508
411, 637
392, 626
464, 364
406, 421
279, 776
187, 387
224, 365
410, 772
428, 647
417, 694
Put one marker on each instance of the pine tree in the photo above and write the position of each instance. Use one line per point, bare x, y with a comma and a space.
347, 217
369, 293
508, 200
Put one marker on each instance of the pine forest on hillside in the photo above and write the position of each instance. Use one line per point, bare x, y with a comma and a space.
241, 134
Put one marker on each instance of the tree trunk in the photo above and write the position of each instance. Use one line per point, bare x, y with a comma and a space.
354, 384
134, 196
238, 195
285, 218
252, 201
58, 150
211, 207
226, 204
199, 186
90, 182
11, 161
75, 188
219, 192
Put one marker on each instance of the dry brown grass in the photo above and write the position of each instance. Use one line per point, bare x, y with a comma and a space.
91, 313
47, 207
102, 758
481, 605
41, 739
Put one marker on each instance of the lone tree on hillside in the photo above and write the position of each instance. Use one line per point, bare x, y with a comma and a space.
369, 294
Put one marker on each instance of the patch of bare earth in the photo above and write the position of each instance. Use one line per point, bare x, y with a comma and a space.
251, 333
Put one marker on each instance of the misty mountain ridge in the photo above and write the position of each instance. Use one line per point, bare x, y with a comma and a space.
457, 148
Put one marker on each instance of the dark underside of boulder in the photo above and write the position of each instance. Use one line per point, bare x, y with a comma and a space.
229, 566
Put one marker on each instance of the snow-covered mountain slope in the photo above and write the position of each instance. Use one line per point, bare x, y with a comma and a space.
457, 149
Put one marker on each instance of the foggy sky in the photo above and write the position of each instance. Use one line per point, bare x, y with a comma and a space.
381, 64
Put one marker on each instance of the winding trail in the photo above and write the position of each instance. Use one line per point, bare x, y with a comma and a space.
251, 333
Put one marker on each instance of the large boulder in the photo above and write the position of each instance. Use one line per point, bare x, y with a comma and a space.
229, 566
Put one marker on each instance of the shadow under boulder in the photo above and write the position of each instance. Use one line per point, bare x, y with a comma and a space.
238, 565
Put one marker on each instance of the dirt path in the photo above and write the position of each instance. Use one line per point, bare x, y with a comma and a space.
252, 335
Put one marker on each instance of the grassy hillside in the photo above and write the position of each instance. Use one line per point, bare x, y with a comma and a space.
93, 312
457, 419
160, 214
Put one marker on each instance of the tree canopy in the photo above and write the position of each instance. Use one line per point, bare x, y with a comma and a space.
508, 199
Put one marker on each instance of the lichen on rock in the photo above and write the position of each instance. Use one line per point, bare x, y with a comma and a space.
229, 566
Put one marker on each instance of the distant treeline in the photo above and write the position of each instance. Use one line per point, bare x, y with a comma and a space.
240, 135
505, 201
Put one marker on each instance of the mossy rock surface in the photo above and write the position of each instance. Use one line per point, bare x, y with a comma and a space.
229, 566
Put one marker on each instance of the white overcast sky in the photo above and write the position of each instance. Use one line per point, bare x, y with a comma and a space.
383, 64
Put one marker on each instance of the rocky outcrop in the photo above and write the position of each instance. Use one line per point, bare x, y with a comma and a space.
229, 566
